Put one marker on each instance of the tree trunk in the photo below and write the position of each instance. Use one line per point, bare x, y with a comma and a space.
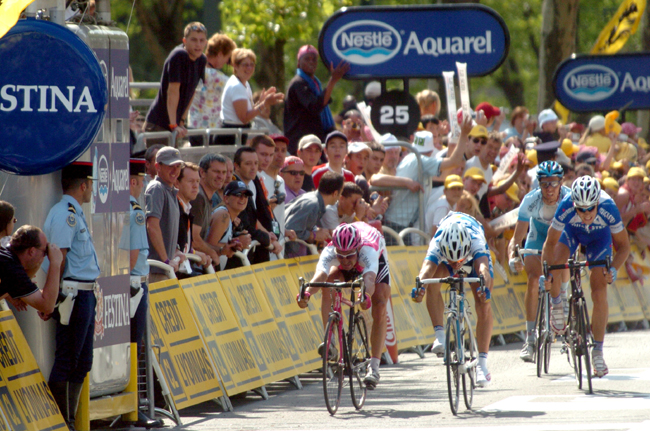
270, 71
511, 83
162, 28
558, 43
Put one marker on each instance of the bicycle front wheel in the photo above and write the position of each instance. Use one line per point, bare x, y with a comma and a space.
359, 360
573, 339
471, 362
584, 339
333, 365
451, 362
542, 307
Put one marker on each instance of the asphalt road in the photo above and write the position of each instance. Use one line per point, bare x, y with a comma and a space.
413, 395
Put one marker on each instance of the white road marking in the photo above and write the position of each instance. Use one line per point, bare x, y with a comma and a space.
560, 403
614, 375
630, 426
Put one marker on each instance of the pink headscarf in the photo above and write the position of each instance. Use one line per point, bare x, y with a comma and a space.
305, 49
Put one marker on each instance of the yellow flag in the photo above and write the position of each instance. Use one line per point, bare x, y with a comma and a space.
619, 29
10, 11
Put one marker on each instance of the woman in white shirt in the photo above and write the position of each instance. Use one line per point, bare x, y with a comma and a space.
237, 107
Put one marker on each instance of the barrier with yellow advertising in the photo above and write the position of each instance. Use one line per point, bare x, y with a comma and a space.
222, 335
274, 358
25, 399
183, 359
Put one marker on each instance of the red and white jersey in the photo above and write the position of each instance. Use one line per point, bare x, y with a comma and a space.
318, 171
373, 245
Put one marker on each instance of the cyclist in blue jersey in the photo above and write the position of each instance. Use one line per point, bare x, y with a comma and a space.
588, 217
460, 245
535, 216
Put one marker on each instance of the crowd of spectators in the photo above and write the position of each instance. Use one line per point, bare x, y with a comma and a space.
290, 187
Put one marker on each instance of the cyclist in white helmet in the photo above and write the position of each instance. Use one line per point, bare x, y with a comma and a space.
460, 245
589, 217
536, 213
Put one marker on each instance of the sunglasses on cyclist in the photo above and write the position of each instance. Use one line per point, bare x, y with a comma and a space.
585, 210
345, 256
547, 184
483, 141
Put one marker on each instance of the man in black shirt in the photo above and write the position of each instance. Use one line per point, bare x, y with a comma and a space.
18, 265
182, 71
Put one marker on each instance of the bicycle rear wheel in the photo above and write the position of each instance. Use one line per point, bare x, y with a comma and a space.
541, 332
359, 361
573, 332
333, 365
585, 333
471, 362
451, 362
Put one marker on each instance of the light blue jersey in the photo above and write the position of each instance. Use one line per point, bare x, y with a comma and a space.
136, 239
539, 215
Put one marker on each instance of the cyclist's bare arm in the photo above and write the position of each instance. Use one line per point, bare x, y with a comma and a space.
428, 269
482, 267
552, 238
369, 279
521, 229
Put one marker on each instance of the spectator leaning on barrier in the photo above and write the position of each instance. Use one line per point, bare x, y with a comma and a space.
217, 197
257, 210
182, 71
224, 221
212, 170
403, 211
336, 150
306, 110
310, 149
376, 159
163, 213
293, 174
392, 157
187, 184
344, 210
66, 227
305, 213
205, 110
263, 121
445, 204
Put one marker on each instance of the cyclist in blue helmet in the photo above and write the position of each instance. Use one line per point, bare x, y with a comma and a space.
535, 216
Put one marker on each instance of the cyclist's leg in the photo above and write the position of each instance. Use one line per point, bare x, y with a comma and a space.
533, 266
564, 248
597, 250
436, 309
380, 298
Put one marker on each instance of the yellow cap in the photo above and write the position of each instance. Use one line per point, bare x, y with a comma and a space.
512, 192
475, 173
611, 183
569, 148
636, 172
532, 156
616, 165
479, 131
453, 181
605, 174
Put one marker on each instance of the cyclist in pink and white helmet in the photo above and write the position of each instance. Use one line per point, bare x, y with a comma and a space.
358, 249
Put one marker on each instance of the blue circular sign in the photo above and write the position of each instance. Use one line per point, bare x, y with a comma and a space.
52, 97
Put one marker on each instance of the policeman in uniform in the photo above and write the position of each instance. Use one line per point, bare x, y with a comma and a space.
66, 227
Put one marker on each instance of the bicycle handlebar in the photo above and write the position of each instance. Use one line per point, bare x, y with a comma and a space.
419, 284
571, 264
327, 285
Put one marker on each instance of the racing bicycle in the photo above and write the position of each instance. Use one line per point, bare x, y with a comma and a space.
345, 353
461, 348
578, 338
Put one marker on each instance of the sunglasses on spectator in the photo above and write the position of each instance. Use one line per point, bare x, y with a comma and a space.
483, 141
293, 173
345, 256
547, 184
198, 27
585, 209
240, 195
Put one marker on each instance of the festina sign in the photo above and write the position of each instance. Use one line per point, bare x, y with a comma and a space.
414, 41
53, 97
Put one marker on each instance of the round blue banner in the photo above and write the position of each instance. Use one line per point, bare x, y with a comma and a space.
52, 97
414, 41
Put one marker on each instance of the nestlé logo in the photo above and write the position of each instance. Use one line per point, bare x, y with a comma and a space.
366, 42
591, 83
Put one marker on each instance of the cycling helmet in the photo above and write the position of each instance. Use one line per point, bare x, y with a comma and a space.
346, 237
549, 168
585, 191
455, 242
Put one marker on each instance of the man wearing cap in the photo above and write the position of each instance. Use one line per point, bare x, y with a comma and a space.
504, 202
66, 227
392, 155
306, 109
478, 138
293, 174
547, 120
445, 204
336, 150
404, 211
213, 171
596, 135
163, 213
134, 240
473, 180
310, 149
483, 159
493, 114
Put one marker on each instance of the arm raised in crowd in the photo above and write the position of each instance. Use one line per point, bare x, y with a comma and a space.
456, 158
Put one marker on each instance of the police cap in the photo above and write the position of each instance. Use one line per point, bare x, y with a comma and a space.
547, 147
78, 170
137, 167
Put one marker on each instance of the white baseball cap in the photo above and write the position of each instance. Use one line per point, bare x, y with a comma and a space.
423, 141
357, 147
